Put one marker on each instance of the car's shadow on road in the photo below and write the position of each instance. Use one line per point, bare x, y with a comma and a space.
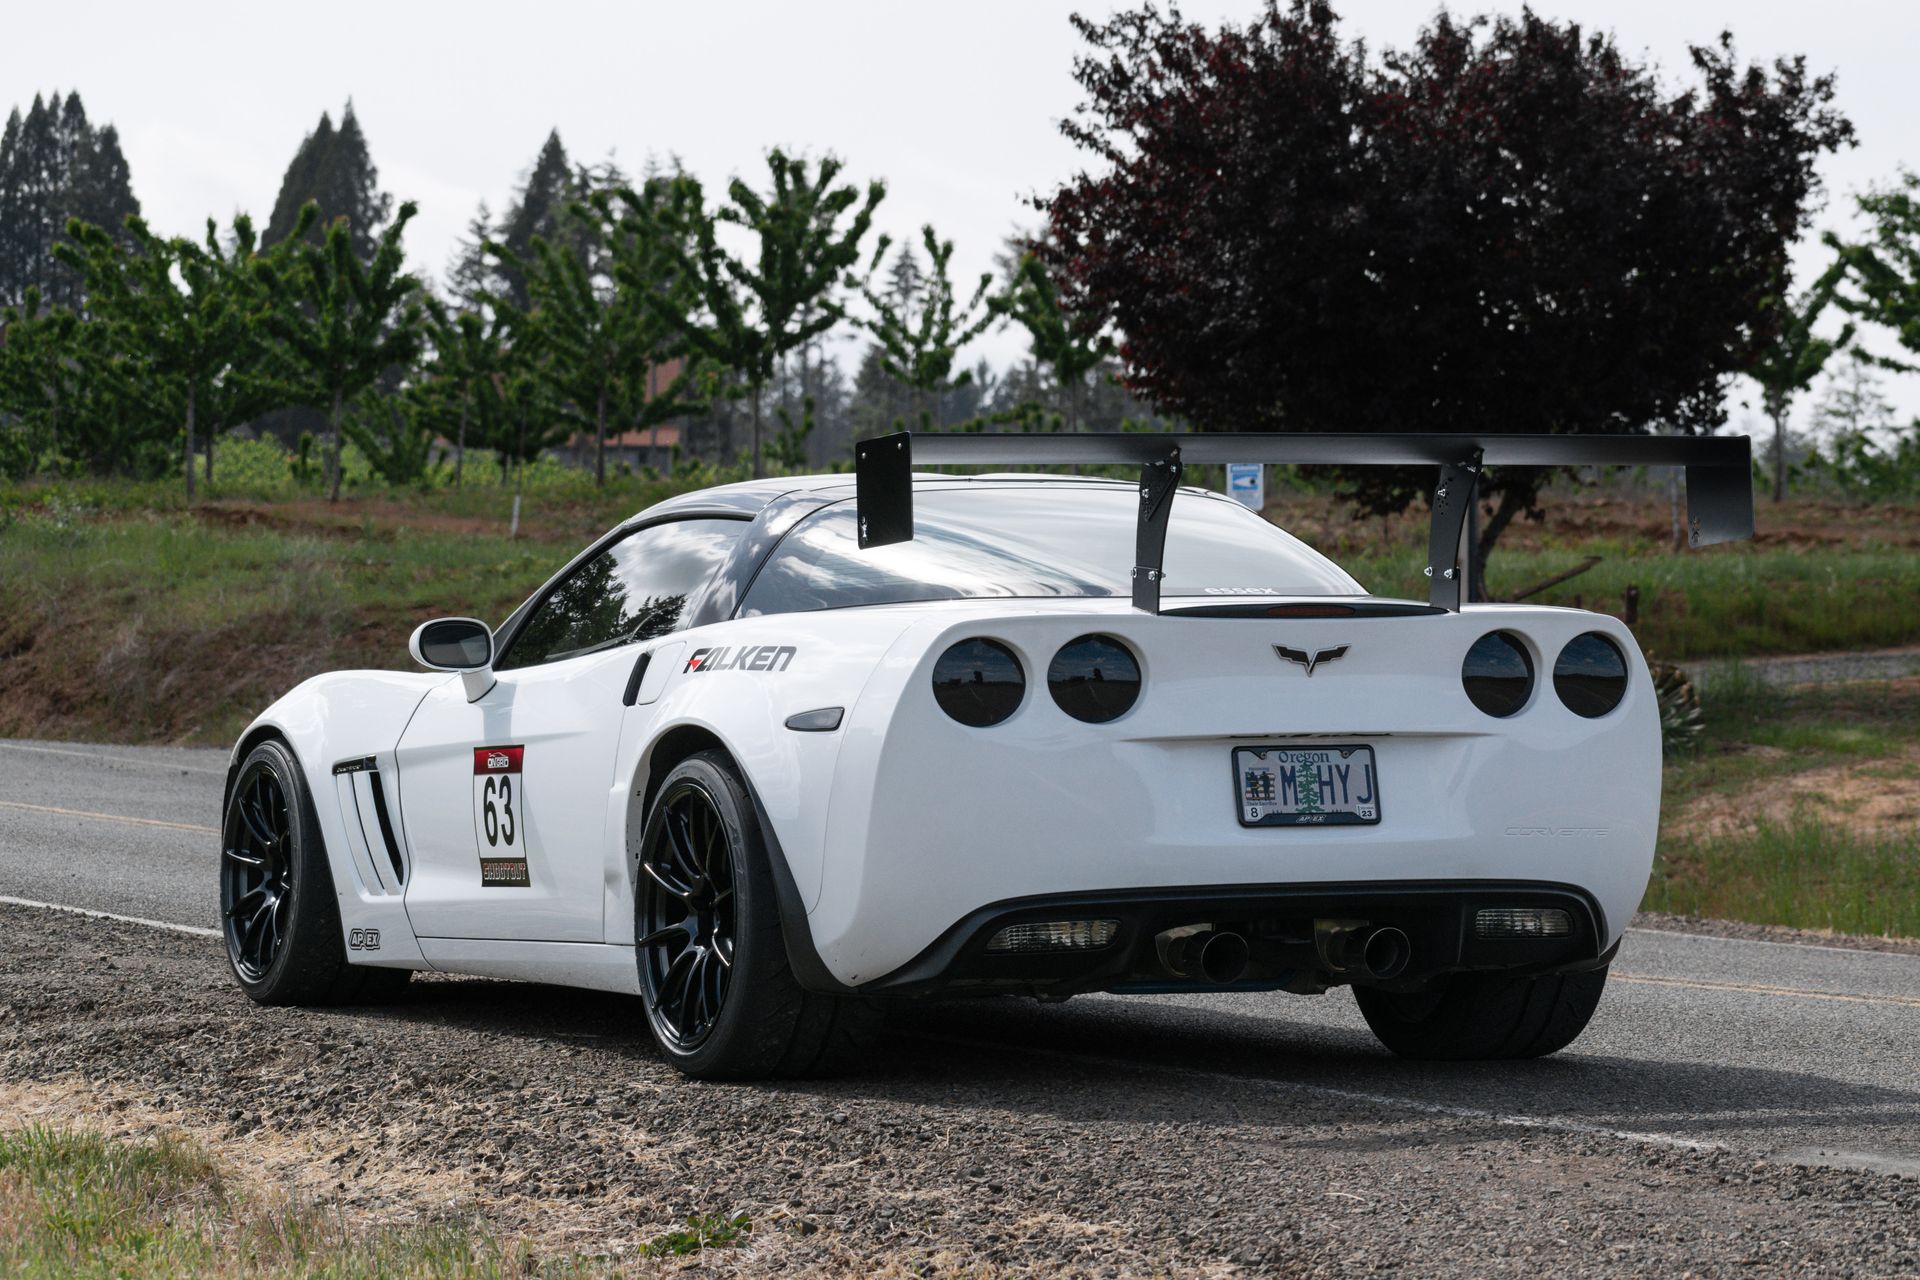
1093, 1060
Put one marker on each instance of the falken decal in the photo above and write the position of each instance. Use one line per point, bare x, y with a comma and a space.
755, 657
500, 816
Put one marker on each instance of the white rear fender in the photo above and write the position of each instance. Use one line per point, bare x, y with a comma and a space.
342, 728
931, 819
735, 682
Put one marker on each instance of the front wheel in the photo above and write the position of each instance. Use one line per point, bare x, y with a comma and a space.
1485, 1015
277, 907
721, 999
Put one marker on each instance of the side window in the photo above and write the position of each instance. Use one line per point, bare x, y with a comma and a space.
636, 589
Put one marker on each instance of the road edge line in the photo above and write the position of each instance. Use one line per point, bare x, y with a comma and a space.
192, 929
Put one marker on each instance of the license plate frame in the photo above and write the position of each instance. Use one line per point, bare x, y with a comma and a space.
1268, 806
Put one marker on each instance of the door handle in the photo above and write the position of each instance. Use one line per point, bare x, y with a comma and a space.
633, 681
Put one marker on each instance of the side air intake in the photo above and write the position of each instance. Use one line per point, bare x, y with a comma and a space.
377, 860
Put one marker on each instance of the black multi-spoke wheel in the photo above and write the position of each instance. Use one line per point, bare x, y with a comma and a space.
686, 951
279, 914
720, 996
256, 877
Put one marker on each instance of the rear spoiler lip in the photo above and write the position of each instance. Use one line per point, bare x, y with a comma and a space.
1719, 472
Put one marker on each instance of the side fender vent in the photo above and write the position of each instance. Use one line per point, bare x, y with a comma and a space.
386, 828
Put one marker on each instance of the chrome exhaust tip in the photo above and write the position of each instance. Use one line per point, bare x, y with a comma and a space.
1356, 948
1212, 956
1385, 953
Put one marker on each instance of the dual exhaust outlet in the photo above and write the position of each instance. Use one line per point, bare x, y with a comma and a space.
1353, 948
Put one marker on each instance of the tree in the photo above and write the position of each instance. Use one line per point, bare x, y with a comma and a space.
1853, 404
1068, 343
752, 311
919, 322
333, 171
1508, 227
344, 321
536, 212
469, 352
1792, 358
54, 165
75, 395
469, 272
1884, 269
189, 315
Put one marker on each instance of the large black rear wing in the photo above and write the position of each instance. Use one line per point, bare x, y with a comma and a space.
1719, 479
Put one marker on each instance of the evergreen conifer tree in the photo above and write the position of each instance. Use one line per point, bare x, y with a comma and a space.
535, 212
334, 170
55, 165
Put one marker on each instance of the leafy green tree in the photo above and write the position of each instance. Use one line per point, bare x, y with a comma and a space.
1792, 358
651, 376
74, 394
1069, 344
750, 311
189, 315
469, 351
397, 432
1883, 270
333, 171
344, 321
920, 324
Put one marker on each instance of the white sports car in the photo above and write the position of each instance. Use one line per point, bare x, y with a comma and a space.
773, 753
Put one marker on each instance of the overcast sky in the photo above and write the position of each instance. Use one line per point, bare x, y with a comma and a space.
955, 105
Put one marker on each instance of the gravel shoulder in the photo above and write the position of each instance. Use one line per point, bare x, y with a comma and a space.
548, 1113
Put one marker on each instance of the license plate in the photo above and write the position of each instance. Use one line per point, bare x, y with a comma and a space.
1306, 786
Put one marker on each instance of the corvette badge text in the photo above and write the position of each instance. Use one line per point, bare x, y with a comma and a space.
754, 657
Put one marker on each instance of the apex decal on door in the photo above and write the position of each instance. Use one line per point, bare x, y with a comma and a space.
500, 816
755, 657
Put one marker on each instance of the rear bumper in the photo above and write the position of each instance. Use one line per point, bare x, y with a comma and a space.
1277, 921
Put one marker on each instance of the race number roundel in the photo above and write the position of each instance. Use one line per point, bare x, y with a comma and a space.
500, 816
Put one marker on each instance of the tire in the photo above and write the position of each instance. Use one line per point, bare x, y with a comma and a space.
720, 997
1481, 1015
279, 916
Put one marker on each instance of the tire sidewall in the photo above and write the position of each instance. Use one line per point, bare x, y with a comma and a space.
311, 952
741, 1042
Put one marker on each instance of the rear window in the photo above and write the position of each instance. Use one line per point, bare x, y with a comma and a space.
1054, 540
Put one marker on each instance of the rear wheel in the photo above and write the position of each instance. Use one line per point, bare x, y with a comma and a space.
277, 907
1485, 1015
720, 997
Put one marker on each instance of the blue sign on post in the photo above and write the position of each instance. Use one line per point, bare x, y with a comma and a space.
1247, 482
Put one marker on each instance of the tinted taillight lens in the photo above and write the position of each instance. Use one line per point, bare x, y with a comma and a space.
1590, 675
1498, 674
1094, 678
979, 682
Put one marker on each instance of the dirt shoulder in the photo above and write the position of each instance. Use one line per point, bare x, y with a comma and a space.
547, 1113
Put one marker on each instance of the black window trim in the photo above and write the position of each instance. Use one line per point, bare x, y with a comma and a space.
516, 621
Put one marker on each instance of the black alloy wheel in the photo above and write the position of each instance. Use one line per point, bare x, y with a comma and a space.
256, 870
688, 915
278, 910
715, 977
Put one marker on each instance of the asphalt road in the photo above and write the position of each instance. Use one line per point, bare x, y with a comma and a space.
1798, 1053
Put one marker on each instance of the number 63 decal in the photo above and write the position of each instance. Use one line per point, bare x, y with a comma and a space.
500, 815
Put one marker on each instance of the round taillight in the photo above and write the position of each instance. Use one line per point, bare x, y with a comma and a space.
1590, 675
979, 682
1094, 678
1498, 673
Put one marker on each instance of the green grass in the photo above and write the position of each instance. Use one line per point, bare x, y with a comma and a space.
1798, 870
1737, 601
1804, 874
79, 1204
